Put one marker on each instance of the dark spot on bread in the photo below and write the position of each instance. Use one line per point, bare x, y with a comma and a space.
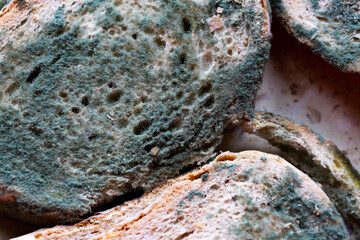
63, 94
75, 110
209, 101
85, 101
186, 25
34, 74
160, 42
141, 127
182, 58
114, 96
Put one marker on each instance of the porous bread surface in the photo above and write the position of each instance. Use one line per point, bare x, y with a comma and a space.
317, 157
98, 98
330, 27
247, 195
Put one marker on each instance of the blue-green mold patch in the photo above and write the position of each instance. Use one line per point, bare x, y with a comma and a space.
90, 110
300, 216
57, 25
339, 21
3, 3
289, 205
204, 177
192, 194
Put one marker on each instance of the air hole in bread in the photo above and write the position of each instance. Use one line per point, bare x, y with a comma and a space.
63, 94
37, 131
92, 137
247, 27
206, 87
175, 124
186, 25
215, 186
112, 32
327, 43
85, 101
189, 99
23, 22
323, 19
180, 94
141, 127
207, 59
182, 58
111, 85
160, 42
149, 147
114, 96
209, 102
149, 30
143, 99
137, 110
11, 88
123, 122
34, 74
75, 110
90, 53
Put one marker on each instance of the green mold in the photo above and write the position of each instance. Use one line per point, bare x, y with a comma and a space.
3, 3
204, 177
289, 205
75, 96
192, 194
343, 21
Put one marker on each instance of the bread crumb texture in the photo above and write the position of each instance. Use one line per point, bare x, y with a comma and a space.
254, 196
100, 98
330, 27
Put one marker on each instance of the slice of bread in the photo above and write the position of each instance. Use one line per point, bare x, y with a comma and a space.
317, 157
330, 27
105, 97
247, 195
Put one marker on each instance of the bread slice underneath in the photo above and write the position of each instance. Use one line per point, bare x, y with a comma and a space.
331, 28
247, 195
317, 157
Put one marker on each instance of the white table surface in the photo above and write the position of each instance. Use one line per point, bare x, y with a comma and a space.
299, 85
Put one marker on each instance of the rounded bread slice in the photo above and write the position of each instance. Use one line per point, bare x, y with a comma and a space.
330, 27
102, 98
317, 157
247, 195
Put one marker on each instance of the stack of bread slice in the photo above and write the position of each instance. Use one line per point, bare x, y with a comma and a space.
103, 98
